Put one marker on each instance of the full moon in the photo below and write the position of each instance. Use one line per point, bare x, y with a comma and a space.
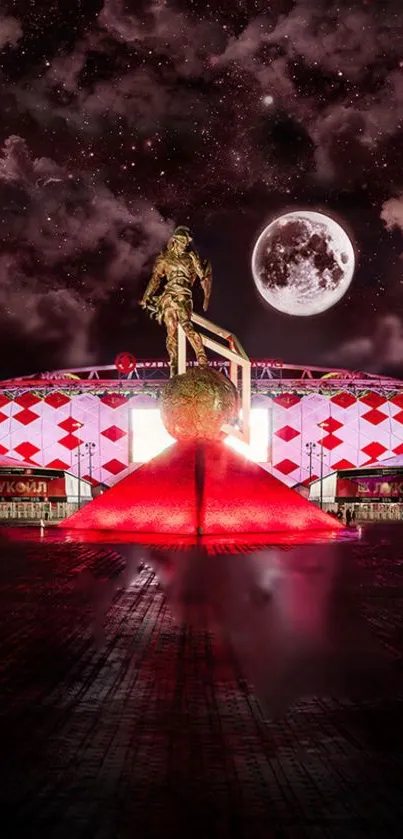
303, 263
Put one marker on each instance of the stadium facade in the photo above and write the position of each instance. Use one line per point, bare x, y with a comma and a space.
306, 421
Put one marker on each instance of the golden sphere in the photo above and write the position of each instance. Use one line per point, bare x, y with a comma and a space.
197, 403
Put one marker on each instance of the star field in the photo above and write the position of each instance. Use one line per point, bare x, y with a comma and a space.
121, 119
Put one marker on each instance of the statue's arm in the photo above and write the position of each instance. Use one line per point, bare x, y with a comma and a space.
155, 280
205, 275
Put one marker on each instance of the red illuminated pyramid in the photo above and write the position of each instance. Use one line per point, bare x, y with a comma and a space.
200, 488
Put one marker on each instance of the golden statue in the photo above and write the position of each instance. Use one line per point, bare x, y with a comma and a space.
180, 267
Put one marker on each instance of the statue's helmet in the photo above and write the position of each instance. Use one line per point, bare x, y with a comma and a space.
181, 234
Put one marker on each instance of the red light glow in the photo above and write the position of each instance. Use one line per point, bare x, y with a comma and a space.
174, 495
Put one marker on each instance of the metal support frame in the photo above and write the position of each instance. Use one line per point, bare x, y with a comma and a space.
239, 362
181, 351
151, 374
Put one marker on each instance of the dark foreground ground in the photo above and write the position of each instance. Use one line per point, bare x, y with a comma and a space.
118, 721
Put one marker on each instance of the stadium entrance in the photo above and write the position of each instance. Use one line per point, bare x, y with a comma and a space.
30, 493
372, 493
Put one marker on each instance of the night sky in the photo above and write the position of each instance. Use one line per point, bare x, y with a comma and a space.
123, 118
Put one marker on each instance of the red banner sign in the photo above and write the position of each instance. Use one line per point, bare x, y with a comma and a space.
27, 486
371, 487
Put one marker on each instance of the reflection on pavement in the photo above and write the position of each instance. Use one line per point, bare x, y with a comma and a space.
289, 617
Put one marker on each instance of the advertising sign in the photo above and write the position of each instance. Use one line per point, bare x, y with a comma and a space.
371, 487
29, 486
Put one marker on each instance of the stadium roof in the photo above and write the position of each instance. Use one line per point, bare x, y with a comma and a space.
268, 375
12, 463
389, 463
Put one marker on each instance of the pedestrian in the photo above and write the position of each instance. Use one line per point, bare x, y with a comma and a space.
348, 516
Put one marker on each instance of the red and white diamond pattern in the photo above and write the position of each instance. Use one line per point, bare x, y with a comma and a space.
350, 431
48, 431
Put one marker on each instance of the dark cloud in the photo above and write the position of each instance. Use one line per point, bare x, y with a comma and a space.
65, 248
392, 213
165, 30
379, 351
355, 55
40, 312
10, 31
123, 118
355, 105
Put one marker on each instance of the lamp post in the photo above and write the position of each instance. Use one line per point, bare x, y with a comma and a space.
324, 426
79, 456
310, 448
321, 477
90, 449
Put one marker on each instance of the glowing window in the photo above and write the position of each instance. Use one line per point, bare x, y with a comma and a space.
150, 438
258, 448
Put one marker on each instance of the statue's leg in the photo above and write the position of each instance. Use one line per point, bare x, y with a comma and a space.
194, 338
171, 324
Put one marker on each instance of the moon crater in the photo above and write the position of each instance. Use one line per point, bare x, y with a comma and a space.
303, 263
